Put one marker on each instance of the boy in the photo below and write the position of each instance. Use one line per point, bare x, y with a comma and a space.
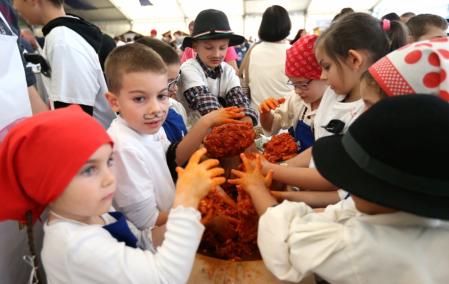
207, 83
397, 228
426, 26
70, 48
145, 159
175, 124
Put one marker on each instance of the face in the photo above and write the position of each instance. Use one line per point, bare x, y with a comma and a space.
369, 92
90, 192
29, 10
432, 32
310, 91
211, 52
142, 101
370, 208
342, 76
172, 74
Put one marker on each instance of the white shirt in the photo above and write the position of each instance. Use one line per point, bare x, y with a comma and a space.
266, 72
332, 107
342, 245
144, 183
192, 75
179, 108
78, 253
76, 76
289, 113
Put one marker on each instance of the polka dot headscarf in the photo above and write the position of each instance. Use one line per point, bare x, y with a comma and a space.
301, 60
419, 67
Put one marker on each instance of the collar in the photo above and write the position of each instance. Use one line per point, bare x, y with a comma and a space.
212, 73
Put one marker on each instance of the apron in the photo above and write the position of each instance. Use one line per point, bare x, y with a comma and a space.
120, 230
14, 101
303, 134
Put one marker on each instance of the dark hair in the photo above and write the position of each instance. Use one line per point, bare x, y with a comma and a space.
418, 25
130, 58
275, 25
298, 36
57, 3
107, 45
343, 11
391, 17
360, 31
168, 53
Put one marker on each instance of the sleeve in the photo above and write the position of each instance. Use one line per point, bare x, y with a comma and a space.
231, 54
100, 258
284, 115
294, 241
135, 190
235, 97
72, 81
200, 99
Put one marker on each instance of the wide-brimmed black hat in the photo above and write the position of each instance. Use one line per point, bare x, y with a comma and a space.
212, 24
395, 154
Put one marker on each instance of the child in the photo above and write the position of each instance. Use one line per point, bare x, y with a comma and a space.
70, 47
175, 124
145, 159
344, 51
298, 111
82, 242
207, 83
426, 26
417, 68
398, 230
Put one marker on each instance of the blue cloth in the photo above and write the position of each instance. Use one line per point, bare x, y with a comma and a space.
174, 126
304, 134
120, 230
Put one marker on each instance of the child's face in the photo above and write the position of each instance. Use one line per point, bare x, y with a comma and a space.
90, 192
29, 10
172, 75
369, 92
432, 32
211, 52
142, 101
309, 90
342, 76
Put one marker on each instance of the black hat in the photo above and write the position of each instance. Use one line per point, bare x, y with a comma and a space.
212, 24
395, 154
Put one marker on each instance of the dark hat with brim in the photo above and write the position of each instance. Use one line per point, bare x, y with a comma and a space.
394, 155
212, 24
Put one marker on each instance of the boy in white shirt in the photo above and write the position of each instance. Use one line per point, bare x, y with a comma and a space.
397, 231
145, 158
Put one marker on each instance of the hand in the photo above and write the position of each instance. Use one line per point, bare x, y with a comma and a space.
224, 115
269, 104
197, 179
252, 178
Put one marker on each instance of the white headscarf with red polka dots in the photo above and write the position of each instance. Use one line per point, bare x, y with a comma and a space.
301, 60
418, 68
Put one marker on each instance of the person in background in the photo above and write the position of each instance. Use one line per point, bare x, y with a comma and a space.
426, 26
153, 33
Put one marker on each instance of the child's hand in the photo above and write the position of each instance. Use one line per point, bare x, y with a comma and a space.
269, 104
224, 115
196, 179
252, 178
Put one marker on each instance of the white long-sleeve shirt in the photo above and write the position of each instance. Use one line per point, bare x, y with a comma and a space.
78, 253
343, 245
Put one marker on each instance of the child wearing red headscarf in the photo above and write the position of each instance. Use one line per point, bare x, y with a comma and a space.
296, 112
61, 160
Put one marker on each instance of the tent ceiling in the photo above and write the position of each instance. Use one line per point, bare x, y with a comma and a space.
171, 10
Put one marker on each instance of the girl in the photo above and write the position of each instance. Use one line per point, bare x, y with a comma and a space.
398, 229
61, 160
298, 111
418, 68
344, 51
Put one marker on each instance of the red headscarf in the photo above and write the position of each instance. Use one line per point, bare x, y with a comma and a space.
40, 156
301, 60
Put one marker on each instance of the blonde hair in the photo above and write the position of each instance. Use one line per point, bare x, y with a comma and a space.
130, 58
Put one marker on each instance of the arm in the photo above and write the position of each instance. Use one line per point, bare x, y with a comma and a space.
37, 104
301, 160
266, 117
313, 199
235, 97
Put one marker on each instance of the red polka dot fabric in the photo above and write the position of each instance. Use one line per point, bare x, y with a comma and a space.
301, 60
417, 68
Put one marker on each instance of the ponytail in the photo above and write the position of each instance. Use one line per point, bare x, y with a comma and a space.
396, 33
36, 274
